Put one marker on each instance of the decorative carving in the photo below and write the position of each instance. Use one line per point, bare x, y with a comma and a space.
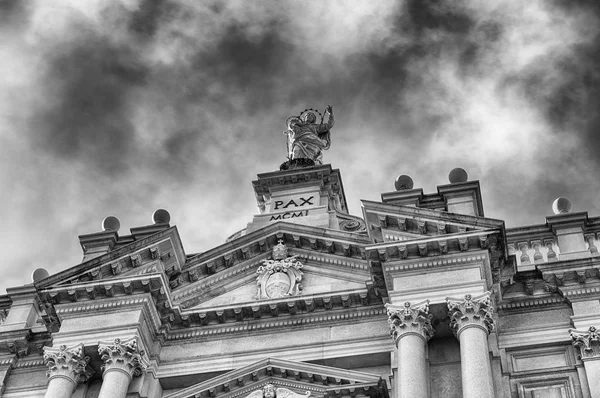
270, 391
306, 139
471, 312
281, 276
410, 319
122, 355
3, 315
136, 260
67, 362
422, 249
588, 342
463, 244
441, 228
353, 224
422, 227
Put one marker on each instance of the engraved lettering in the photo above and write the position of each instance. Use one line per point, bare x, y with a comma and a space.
278, 203
307, 201
289, 203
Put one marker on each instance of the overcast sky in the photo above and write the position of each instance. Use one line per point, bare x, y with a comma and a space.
121, 107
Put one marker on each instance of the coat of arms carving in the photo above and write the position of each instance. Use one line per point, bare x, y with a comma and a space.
281, 276
270, 391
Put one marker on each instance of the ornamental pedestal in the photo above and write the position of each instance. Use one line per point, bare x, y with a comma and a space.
588, 343
471, 320
122, 361
66, 368
410, 327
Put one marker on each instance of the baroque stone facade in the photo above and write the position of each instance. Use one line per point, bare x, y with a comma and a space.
420, 296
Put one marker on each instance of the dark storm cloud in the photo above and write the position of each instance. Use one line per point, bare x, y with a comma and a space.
143, 104
88, 113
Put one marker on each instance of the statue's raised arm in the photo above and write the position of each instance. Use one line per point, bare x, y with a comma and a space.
307, 138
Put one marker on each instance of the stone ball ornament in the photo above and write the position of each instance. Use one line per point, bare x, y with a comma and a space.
458, 175
403, 182
111, 224
39, 274
562, 206
161, 216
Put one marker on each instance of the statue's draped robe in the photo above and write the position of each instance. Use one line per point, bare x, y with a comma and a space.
309, 140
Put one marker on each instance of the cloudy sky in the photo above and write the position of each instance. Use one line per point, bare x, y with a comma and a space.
112, 107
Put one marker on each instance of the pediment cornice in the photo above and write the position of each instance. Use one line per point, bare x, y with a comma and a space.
299, 376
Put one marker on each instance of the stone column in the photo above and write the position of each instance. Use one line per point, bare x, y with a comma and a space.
122, 361
471, 320
66, 368
588, 343
410, 327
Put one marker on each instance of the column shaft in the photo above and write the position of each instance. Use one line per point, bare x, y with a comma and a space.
115, 384
477, 380
412, 367
592, 370
60, 387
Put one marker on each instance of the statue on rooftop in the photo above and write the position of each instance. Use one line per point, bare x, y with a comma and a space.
307, 138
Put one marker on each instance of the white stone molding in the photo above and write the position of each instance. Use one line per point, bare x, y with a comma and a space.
588, 342
270, 391
410, 319
67, 363
471, 312
123, 356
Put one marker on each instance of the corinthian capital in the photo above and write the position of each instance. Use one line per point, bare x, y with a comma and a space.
410, 319
122, 355
68, 363
471, 312
587, 342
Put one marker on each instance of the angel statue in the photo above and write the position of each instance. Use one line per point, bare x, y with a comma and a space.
269, 391
307, 138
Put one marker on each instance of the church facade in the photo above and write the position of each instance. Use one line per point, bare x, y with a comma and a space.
420, 296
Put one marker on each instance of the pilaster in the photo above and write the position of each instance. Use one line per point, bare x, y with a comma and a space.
588, 344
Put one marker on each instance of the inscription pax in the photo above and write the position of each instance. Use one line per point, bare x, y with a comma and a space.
281, 204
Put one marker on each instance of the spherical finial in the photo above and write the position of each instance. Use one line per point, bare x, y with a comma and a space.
111, 224
561, 206
458, 175
161, 216
403, 182
39, 274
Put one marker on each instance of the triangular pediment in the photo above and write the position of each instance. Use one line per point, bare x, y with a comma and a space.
155, 253
287, 377
389, 223
328, 266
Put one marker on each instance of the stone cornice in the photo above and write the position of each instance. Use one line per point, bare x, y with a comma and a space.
431, 215
417, 265
316, 320
430, 247
530, 303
